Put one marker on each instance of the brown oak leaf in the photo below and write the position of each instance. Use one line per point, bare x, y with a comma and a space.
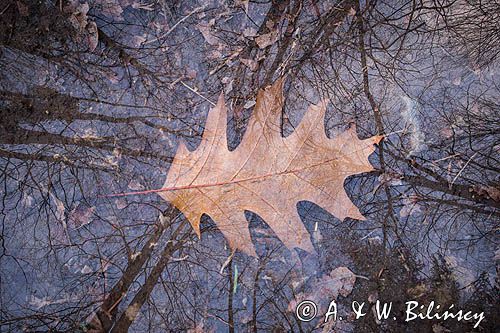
267, 173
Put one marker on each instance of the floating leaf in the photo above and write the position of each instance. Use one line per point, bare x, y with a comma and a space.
266, 174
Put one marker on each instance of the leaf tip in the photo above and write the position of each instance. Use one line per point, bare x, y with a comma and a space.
377, 138
324, 102
197, 230
276, 89
221, 100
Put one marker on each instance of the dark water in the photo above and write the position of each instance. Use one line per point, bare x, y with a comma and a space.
95, 100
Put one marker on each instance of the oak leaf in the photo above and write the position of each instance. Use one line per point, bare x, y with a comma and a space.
267, 173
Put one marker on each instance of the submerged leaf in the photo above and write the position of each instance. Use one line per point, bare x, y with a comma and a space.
267, 173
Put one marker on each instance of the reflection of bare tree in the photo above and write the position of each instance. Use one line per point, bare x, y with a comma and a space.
474, 28
127, 80
47, 105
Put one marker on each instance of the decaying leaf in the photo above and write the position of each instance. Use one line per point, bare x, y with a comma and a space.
340, 281
249, 32
266, 40
497, 254
244, 4
410, 206
78, 17
93, 35
81, 215
23, 9
94, 324
205, 30
111, 8
60, 212
437, 328
250, 63
266, 174
463, 275
488, 191
39, 303
135, 185
249, 104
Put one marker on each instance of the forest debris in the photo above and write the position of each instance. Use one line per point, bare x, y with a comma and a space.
191, 74
60, 212
132, 311
227, 262
137, 41
249, 32
78, 17
410, 206
228, 85
376, 240
39, 303
81, 215
93, 36
22, 8
316, 235
86, 270
243, 4
135, 185
205, 30
489, 191
250, 63
437, 328
340, 281
391, 178
464, 276
195, 90
111, 8
86, 28
249, 104
373, 297
497, 254
418, 291
143, 6
266, 40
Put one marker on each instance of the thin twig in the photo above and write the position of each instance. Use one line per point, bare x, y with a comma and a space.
460, 172
197, 93
194, 11
228, 260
